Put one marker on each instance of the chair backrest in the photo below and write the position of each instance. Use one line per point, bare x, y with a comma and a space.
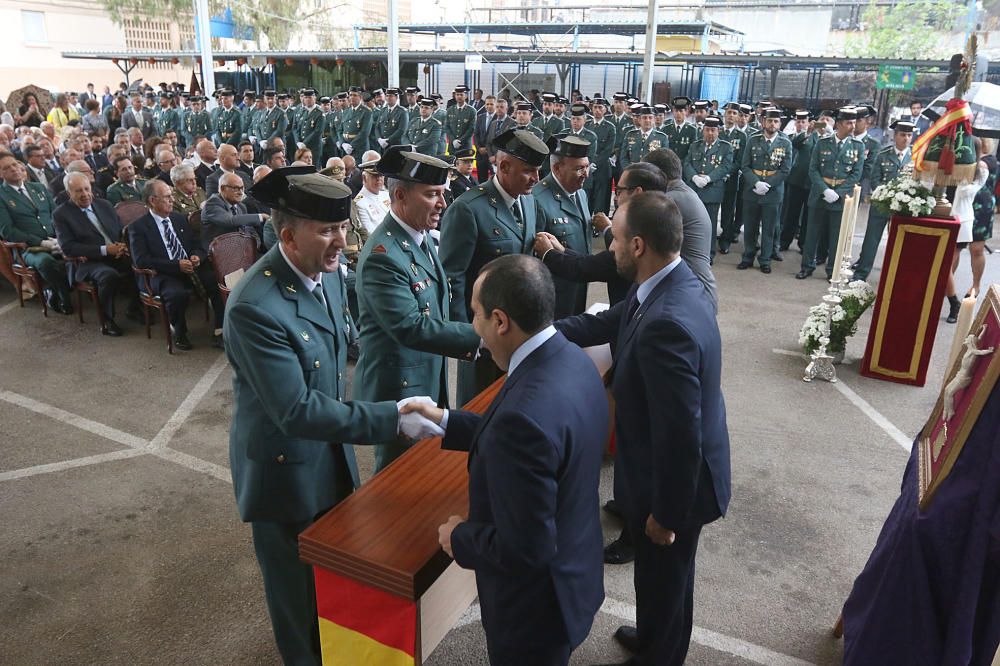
232, 251
194, 221
130, 211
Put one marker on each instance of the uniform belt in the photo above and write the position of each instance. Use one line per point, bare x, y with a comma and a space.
764, 174
834, 182
350, 136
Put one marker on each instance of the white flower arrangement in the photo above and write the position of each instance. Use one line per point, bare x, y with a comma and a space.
855, 298
903, 196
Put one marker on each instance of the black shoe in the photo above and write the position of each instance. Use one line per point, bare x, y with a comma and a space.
777, 257
611, 507
723, 249
61, 305
743, 265
954, 306
803, 274
217, 341
181, 342
628, 638
766, 270
619, 551
111, 328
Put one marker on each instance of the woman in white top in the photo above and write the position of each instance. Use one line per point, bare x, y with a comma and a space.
961, 208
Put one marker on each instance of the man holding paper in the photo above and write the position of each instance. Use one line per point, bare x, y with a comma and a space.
836, 166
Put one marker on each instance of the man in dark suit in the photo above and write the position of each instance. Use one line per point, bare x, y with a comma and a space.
138, 116
88, 227
225, 212
207, 154
163, 241
672, 468
38, 170
533, 534
229, 162
483, 119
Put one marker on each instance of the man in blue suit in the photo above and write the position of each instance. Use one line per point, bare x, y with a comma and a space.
533, 534
670, 421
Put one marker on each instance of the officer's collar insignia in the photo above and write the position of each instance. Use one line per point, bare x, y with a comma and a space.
406, 243
305, 336
290, 288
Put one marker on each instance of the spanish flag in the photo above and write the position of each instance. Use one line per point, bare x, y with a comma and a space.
359, 624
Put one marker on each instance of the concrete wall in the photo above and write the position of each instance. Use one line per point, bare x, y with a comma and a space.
803, 31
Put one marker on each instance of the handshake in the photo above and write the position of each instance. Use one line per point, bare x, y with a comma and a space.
420, 418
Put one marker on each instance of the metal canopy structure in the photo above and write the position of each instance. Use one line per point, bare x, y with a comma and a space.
531, 29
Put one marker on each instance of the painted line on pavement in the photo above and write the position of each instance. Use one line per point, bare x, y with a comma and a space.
895, 434
711, 639
75, 420
10, 306
26, 472
193, 463
189, 404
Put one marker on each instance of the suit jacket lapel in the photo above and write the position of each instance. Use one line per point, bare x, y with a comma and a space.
14, 193
292, 289
504, 214
410, 247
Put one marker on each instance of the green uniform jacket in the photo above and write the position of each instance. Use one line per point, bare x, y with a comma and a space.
413, 112
681, 137
715, 162
802, 144
166, 119
442, 117
886, 165
475, 230
403, 303
459, 123
229, 126
273, 124
392, 125
559, 216
758, 157
872, 148
634, 148
607, 144
334, 126
844, 164
214, 116
424, 135
530, 128
119, 191
373, 132
549, 126
289, 359
357, 125
309, 131
248, 118
586, 135
623, 126
26, 219
738, 140
197, 124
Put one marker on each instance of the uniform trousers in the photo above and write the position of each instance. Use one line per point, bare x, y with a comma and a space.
664, 595
732, 210
713, 215
873, 236
599, 192
763, 219
824, 224
52, 271
795, 215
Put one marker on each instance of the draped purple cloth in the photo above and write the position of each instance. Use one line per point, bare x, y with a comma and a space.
930, 592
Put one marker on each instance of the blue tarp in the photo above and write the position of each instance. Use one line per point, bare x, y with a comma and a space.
720, 83
225, 27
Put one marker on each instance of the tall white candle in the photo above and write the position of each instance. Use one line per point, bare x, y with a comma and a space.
844, 221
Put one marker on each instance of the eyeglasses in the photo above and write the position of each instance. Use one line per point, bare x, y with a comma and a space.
238, 188
626, 188
582, 171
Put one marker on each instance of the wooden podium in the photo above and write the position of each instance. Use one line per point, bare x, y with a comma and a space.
386, 594
910, 295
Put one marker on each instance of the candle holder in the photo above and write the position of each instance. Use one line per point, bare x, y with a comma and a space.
820, 363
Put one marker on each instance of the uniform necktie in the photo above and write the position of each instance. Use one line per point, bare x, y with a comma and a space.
579, 205
516, 210
97, 225
318, 293
24, 192
174, 247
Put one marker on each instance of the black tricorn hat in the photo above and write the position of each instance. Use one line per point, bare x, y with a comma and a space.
713, 121
402, 163
568, 146
523, 145
302, 192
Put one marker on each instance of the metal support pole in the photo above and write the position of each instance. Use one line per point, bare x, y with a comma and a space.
393, 43
205, 46
646, 93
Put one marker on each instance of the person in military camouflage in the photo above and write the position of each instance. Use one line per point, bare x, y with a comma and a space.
708, 164
767, 161
404, 298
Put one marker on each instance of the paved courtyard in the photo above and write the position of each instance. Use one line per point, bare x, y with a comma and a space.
121, 543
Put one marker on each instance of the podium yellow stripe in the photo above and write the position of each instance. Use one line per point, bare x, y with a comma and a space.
345, 647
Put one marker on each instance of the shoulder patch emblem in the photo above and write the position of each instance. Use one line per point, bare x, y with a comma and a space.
379, 249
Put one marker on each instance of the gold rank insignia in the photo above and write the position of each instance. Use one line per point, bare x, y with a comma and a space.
654, 145
267, 273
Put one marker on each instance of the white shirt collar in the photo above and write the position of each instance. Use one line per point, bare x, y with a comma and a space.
507, 199
416, 236
528, 346
656, 278
307, 281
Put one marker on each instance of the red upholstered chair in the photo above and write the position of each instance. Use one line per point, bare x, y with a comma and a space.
231, 252
24, 272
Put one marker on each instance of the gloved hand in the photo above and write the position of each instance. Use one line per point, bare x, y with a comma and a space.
830, 196
767, 186
760, 189
383, 142
300, 144
49, 244
252, 138
456, 144
700, 180
613, 161
348, 148
416, 426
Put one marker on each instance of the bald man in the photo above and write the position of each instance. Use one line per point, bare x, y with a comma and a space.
229, 162
225, 211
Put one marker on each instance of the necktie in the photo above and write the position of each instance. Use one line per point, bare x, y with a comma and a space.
318, 293
516, 210
633, 308
97, 225
579, 205
174, 247
24, 192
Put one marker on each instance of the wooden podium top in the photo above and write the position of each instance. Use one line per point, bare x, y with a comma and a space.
385, 534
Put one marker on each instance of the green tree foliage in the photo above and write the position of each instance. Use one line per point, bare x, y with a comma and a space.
907, 30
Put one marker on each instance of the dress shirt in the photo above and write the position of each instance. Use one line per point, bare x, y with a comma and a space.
307, 281
159, 227
92, 216
417, 236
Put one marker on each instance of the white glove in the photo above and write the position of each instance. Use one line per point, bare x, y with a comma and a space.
767, 186
252, 138
456, 143
700, 180
300, 144
348, 148
49, 244
830, 196
760, 188
415, 426
613, 161
383, 142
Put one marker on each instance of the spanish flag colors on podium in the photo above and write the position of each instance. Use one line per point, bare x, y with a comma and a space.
359, 624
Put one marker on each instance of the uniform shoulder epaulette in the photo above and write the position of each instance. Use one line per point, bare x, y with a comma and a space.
360, 196
886, 149
435, 120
